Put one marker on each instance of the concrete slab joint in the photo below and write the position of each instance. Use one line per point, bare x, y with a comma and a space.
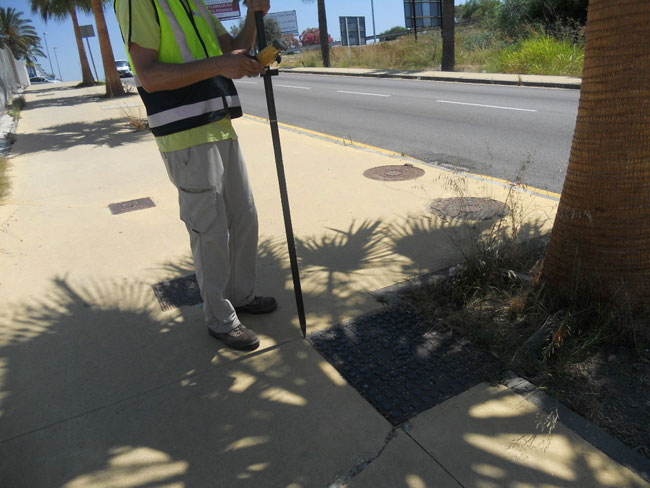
344, 480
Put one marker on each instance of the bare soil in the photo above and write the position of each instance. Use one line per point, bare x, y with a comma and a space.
600, 371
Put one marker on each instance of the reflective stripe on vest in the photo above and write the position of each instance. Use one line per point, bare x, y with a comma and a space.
192, 110
179, 34
201, 103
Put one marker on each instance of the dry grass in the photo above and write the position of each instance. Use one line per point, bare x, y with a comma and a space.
17, 105
4, 180
137, 122
477, 50
593, 356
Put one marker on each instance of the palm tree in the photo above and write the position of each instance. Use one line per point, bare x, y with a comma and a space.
114, 86
324, 35
448, 27
60, 9
601, 236
19, 35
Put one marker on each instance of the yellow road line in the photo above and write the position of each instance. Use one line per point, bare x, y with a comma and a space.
349, 142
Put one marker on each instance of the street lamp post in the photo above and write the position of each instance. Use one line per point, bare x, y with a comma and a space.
374, 34
48, 53
57, 63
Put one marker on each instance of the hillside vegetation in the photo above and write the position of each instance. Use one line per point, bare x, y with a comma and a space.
478, 49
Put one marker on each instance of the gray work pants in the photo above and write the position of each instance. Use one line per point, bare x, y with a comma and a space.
216, 204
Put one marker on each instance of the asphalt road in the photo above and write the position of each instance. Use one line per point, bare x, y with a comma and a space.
500, 131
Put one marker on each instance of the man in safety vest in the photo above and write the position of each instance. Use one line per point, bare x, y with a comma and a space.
184, 62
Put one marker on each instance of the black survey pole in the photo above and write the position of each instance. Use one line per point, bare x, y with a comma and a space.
286, 211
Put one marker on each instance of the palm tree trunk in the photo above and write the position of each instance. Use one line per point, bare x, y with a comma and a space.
324, 35
601, 236
448, 27
114, 86
86, 74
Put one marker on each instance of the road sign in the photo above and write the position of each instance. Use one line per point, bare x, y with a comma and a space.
87, 31
224, 10
288, 21
353, 31
427, 13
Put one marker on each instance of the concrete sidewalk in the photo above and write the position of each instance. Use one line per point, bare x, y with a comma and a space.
455, 76
100, 388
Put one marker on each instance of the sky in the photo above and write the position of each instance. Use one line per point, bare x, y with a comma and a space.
64, 56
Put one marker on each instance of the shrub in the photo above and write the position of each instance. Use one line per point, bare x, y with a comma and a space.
4, 181
290, 40
393, 33
17, 104
515, 17
477, 49
311, 37
475, 11
272, 29
543, 55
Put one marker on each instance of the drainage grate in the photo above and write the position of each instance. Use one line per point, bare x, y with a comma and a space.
179, 292
394, 173
469, 208
131, 205
401, 363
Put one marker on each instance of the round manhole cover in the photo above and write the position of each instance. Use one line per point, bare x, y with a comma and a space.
469, 208
394, 173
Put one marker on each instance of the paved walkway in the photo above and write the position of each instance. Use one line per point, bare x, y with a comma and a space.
100, 388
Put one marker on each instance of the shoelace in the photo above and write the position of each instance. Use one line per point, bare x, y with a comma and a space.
237, 331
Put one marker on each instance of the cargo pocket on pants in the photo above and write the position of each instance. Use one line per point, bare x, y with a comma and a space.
199, 209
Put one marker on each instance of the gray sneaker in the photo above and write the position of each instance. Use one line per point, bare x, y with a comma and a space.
239, 338
258, 305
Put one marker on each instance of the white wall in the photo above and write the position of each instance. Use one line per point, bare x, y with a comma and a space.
13, 75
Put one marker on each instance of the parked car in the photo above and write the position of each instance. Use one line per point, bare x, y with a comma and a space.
123, 68
34, 80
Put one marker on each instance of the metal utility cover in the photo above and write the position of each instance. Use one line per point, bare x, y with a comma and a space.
131, 205
402, 363
394, 173
179, 292
469, 208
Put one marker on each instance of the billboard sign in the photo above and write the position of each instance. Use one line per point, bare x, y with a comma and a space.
428, 13
288, 21
353, 31
87, 31
224, 9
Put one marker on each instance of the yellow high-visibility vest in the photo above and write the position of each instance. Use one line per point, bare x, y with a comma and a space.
186, 34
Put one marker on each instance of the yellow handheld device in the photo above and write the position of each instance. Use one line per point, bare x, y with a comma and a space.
271, 52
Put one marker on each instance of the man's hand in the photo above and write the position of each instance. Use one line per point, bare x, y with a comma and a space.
256, 5
156, 76
237, 65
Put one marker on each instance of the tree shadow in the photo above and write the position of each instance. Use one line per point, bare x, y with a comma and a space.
107, 132
50, 88
508, 444
36, 103
101, 388
341, 257
429, 241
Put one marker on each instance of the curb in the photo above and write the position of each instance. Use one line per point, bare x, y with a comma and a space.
512, 80
591, 433
367, 147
